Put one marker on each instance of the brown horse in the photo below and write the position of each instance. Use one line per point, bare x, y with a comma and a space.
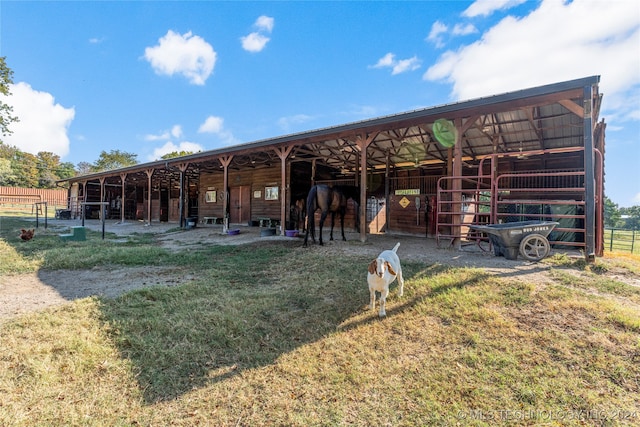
328, 199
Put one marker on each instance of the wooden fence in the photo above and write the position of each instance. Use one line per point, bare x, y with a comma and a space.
19, 198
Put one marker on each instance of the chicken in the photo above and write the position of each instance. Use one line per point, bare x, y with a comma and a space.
26, 234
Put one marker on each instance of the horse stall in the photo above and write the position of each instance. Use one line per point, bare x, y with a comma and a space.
530, 154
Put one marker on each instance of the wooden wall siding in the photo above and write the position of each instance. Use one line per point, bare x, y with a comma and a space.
213, 181
256, 180
174, 210
405, 219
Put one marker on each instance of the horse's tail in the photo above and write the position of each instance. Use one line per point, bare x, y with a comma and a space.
311, 204
311, 199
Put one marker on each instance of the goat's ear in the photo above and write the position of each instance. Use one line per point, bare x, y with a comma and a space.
390, 269
373, 266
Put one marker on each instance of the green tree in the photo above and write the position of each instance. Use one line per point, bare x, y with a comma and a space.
65, 170
113, 160
611, 213
6, 79
48, 164
25, 166
7, 177
632, 221
175, 154
84, 168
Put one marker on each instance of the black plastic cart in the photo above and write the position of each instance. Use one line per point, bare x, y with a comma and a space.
529, 238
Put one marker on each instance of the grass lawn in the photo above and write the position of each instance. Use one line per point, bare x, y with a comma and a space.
258, 339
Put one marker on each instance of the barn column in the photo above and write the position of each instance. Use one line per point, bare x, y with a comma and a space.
387, 191
456, 184
123, 177
589, 176
102, 210
225, 161
84, 199
283, 153
182, 167
362, 144
456, 199
149, 173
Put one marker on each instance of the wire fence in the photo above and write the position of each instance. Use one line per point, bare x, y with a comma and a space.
620, 240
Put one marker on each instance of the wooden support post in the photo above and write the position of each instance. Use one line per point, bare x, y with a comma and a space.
149, 173
456, 198
283, 153
102, 194
387, 190
362, 144
456, 195
225, 161
182, 167
123, 177
589, 177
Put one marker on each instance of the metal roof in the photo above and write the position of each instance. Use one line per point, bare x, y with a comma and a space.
543, 117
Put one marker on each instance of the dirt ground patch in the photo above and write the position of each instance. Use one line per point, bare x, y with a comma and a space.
36, 291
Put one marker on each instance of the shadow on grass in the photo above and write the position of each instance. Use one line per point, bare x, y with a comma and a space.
250, 305
254, 304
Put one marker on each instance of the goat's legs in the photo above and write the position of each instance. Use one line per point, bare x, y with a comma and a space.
383, 301
372, 299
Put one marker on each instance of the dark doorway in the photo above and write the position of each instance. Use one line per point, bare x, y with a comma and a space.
164, 205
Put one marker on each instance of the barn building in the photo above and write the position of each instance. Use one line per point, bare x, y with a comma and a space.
532, 154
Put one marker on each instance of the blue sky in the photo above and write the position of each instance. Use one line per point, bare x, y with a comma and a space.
152, 77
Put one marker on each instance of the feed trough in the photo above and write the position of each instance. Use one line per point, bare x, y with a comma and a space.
529, 238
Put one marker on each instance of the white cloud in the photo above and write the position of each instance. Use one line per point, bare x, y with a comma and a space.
186, 54
397, 66
264, 23
435, 35
385, 61
254, 42
170, 147
286, 123
175, 132
215, 125
487, 7
257, 40
403, 65
636, 198
212, 124
463, 29
43, 124
96, 40
597, 38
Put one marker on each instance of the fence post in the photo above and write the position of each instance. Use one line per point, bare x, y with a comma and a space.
611, 242
633, 238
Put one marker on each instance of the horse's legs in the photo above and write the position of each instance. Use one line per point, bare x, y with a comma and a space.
333, 218
344, 239
323, 216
